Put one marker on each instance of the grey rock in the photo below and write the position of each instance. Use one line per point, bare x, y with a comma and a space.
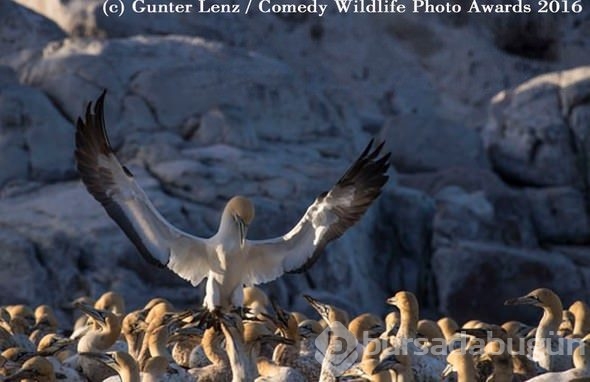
19, 257
474, 280
560, 215
503, 218
37, 140
527, 137
428, 143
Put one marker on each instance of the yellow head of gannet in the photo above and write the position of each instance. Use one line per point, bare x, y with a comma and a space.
366, 326
407, 304
53, 343
255, 299
36, 368
241, 212
44, 316
193, 258
106, 332
543, 298
111, 301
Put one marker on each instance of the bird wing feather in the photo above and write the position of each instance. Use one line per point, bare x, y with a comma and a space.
331, 214
124, 200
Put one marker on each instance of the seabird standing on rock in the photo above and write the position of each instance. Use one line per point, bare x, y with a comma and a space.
227, 259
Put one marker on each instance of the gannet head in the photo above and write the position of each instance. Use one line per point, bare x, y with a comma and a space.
309, 328
366, 324
542, 297
404, 301
111, 301
328, 313
241, 210
34, 368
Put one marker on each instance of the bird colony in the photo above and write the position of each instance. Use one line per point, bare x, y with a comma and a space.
239, 334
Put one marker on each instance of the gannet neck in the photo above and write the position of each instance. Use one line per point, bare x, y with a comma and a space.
157, 342
212, 348
111, 301
462, 363
242, 366
407, 304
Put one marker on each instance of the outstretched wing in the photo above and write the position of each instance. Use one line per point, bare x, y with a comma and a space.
331, 214
127, 204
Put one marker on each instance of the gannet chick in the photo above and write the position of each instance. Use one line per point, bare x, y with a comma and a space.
399, 364
427, 366
309, 330
97, 339
19, 327
227, 259
365, 327
580, 371
566, 327
407, 304
257, 335
429, 332
111, 301
23, 312
460, 362
546, 333
581, 313
517, 328
219, 370
53, 344
256, 300
187, 349
496, 352
371, 359
341, 342
133, 329
121, 362
448, 327
34, 369
45, 323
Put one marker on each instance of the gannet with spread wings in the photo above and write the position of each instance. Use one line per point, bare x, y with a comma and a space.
227, 259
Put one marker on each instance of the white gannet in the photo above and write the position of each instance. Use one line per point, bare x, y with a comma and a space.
551, 351
227, 259
580, 371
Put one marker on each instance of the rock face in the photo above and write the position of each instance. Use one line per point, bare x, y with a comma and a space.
275, 108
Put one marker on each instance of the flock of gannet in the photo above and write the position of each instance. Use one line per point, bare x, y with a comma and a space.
142, 345
240, 335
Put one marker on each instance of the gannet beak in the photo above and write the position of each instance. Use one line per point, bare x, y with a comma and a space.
243, 228
91, 312
447, 371
524, 300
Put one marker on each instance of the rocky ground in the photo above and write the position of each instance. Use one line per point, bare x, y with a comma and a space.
487, 119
